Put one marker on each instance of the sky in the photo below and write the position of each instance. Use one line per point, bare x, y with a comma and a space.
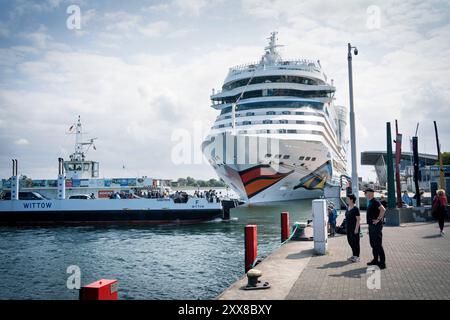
140, 73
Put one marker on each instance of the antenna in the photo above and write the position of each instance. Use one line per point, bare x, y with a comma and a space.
81, 147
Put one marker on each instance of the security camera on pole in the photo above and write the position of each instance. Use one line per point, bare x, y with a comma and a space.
355, 184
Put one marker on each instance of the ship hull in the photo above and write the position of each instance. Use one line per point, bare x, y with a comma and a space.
280, 177
94, 212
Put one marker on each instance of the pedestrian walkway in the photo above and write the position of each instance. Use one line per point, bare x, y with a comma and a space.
417, 259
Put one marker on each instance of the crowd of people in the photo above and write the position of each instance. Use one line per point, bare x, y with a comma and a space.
211, 195
178, 196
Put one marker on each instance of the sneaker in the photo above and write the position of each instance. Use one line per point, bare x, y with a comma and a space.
372, 263
351, 258
355, 259
382, 266
442, 233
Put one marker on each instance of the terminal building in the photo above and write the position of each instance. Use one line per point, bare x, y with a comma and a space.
428, 170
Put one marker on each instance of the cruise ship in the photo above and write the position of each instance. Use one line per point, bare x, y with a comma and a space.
279, 136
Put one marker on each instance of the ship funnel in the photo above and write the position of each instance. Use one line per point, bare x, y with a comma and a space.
61, 180
15, 180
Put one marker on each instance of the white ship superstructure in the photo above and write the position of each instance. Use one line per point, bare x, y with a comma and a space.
279, 135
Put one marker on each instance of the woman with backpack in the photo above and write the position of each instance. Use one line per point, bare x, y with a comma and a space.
439, 208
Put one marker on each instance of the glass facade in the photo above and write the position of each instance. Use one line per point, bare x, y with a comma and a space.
276, 93
275, 104
269, 79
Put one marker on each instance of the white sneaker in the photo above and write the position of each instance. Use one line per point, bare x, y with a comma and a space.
351, 258
356, 259
442, 233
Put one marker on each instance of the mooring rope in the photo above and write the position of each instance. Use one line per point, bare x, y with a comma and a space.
292, 234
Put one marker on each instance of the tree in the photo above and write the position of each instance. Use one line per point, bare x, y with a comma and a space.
181, 182
190, 181
445, 158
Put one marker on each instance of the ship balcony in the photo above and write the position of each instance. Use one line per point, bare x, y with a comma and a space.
219, 106
296, 64
219, 94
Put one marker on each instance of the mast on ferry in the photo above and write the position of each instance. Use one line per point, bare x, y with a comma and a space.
78, 167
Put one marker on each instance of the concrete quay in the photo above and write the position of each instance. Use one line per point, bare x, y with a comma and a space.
417, 259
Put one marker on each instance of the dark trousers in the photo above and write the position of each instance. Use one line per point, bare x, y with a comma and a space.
353, 241
376, 242
441, 220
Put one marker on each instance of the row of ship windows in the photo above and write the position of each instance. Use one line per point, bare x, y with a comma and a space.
275, 93
272, 113
268, 79
283, 121
281, 104
281, 131
286, 156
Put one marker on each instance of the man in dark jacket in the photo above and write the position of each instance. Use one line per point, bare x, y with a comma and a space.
375, 214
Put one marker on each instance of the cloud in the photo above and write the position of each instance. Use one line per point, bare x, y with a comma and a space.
22, 142
160, 7
154, 29
193, 7
22, 7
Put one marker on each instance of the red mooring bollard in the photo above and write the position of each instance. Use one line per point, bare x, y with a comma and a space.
100, 290
251, 246
285, 232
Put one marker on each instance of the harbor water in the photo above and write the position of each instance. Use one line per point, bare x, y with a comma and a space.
150, 262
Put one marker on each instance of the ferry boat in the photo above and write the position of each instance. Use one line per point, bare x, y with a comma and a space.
118, 211
82, 176
279, 136
25, 205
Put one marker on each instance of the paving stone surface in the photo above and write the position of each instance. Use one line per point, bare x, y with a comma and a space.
417, 259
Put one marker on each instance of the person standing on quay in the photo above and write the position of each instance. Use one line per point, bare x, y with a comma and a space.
352, 220
332, 215
439, 208
375, 214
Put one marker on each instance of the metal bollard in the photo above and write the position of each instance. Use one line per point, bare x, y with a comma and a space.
285, 232
100, 290
251, 246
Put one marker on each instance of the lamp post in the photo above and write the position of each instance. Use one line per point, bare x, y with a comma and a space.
355, 184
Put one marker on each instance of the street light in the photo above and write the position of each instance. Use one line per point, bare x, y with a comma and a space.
355, 184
